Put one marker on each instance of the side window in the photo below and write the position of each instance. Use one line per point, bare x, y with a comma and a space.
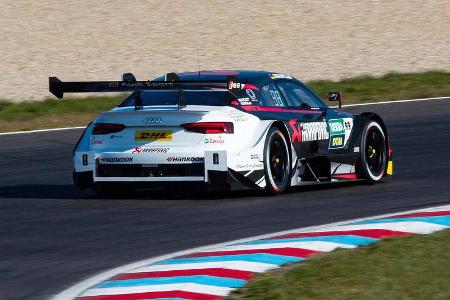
297, 96
271, 96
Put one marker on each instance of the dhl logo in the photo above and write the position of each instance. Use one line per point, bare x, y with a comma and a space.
153, 135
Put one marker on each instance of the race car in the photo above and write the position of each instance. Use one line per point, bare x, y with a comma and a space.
224, 130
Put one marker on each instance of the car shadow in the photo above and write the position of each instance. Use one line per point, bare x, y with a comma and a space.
69, 191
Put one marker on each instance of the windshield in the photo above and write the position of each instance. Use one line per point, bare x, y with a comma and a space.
198, 97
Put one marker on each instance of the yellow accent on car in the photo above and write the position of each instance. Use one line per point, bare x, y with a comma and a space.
153, 135
390, 168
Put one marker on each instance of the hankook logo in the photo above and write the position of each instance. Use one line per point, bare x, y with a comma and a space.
153, 121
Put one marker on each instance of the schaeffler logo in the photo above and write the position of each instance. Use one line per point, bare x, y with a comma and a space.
185, 159
149, 150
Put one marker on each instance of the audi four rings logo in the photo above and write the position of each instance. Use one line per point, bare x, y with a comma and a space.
156, 120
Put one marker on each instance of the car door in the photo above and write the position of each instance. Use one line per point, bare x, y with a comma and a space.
311, 131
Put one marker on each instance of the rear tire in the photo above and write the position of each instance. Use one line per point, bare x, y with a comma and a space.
372, 161
277, 162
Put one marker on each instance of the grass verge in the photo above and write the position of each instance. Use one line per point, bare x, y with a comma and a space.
416, 267
52, 113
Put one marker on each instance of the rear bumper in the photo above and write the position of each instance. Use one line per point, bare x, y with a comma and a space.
179, 167
210, 168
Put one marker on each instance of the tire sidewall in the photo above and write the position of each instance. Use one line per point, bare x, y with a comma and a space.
271, 186
364, 169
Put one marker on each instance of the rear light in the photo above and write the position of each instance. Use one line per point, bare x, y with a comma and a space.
209, 127
107, 128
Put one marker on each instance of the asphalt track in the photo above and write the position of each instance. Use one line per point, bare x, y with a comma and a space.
52, 235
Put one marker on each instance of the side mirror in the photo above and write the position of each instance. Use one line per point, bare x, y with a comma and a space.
335, 96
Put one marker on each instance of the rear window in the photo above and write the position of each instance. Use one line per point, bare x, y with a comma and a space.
202, 97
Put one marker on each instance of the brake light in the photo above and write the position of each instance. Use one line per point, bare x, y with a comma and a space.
209, 127
107, 128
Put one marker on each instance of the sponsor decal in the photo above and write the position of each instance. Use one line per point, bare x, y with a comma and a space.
254, 156
337, 141
153, 135
339, 130
276, 98
140, 84
279, 76
348, 125
308, 132
251, 94
114, 136
238, 116
314, 131
244, 101
116, 159
336, 126
214, 140
356, 149
249, 166
152, 121
96, 142
185, 159
149, 150
235, 85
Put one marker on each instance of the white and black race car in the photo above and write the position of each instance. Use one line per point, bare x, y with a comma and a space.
225, 130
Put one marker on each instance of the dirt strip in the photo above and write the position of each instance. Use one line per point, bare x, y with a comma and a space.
329, 39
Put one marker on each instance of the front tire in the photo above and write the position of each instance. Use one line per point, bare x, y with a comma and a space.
277, 163
372, 160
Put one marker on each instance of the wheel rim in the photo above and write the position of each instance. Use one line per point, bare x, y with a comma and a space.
375, 151
278, 160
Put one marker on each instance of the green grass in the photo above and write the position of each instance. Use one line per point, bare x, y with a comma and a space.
52, 113
71, 112
388, 87
416, 267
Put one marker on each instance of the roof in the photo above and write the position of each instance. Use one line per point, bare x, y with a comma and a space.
242, 75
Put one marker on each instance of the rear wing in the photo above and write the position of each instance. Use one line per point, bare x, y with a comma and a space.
130, 84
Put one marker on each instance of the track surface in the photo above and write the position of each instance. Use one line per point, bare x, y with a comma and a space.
52, 235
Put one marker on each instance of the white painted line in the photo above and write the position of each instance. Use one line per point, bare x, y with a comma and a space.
187, 287
235, 265
41, 130
397, 101
347, 105
80, 287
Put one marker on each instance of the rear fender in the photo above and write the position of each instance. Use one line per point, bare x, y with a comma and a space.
83, 157
249, 164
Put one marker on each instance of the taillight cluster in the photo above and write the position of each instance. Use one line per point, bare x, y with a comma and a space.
209, 127
107, 128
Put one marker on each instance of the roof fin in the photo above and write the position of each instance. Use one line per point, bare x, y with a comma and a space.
171, 77
128, 77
